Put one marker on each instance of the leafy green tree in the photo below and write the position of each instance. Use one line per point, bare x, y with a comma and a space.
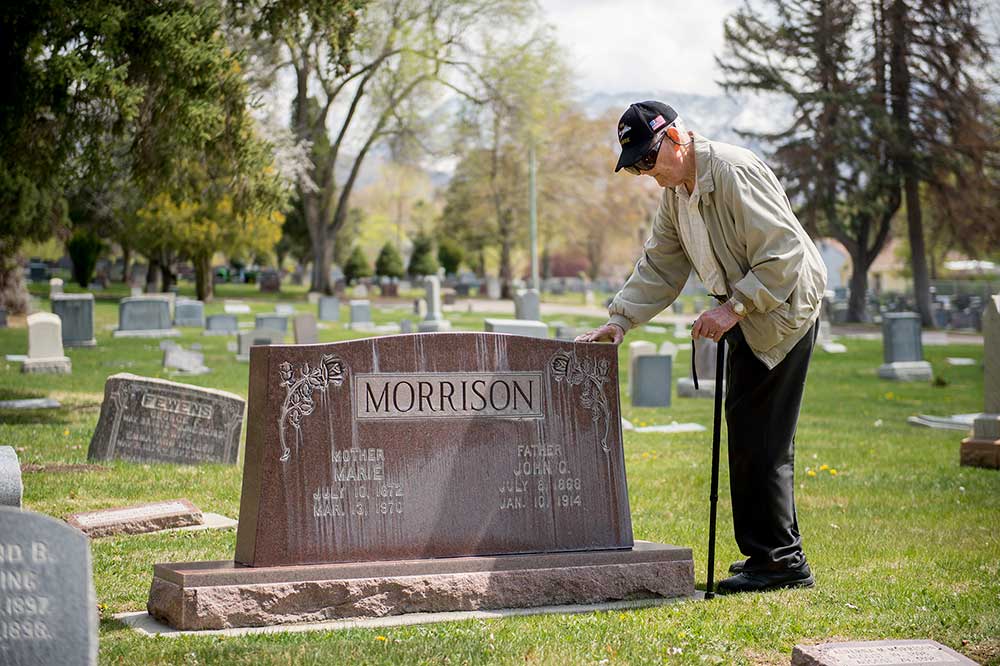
84, 248
94, 86
389, 262
357, 265
401, 56
450, 254
422, 259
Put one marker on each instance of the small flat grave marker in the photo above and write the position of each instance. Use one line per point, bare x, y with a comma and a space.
151, 517
183, 360
528, 327
54, 621
154, 420
878, 653
235, 307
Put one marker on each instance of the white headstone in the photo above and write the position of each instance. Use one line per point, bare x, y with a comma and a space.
55, 286
533, 329
45, 349
11, 488
433, 321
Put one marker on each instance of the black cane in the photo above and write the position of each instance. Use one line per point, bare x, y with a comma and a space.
720, 375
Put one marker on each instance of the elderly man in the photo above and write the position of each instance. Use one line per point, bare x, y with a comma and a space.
724, 214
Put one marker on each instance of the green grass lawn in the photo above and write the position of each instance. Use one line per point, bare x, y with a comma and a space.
904, 542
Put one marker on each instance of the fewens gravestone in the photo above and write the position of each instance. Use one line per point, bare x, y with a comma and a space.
155, 420
48, 609
426, 472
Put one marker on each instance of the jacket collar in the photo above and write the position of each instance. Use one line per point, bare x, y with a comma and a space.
703, 164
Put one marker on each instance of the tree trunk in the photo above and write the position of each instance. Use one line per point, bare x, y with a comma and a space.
322, 259
126, 263
13, 290
506, 270
204, 285
859, 284
153, 276
918, 251
169, 279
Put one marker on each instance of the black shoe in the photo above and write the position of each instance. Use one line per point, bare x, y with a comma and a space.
737, 566
763, 581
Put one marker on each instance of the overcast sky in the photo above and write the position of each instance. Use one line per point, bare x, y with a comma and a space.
620, 46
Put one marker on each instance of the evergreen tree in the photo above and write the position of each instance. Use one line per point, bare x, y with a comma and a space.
422, 260
827, 57
450, 254
389, 262
357, 265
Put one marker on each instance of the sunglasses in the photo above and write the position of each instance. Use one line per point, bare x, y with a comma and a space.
647, 161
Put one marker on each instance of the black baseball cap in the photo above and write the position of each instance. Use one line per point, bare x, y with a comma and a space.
637, 127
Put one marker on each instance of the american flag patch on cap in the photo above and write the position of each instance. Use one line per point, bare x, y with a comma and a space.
657, 122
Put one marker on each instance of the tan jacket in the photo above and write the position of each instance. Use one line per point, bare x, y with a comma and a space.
767, 259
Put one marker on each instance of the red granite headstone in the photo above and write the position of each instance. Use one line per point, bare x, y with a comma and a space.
440, 445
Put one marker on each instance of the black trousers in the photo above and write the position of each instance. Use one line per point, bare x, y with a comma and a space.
762, 412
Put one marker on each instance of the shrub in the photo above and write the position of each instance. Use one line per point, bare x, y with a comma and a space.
84, 248
450, 255
423, 261
389, 262
357, 265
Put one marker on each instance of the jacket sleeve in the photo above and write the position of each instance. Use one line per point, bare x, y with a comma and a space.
658, 277
764, 216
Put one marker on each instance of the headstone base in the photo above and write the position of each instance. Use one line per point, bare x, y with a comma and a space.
80, 343
56, 365
906, 371
706, 388
434, 326
980, 453
221, 595
147, 333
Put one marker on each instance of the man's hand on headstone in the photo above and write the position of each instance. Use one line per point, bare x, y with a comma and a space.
607, 333
714, 323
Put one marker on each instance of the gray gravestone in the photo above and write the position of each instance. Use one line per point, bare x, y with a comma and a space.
45, 350
361, 314
259, 336
182, 360
532, 329
434, 321
705, 357
406, 326
636, 349
146, 316
11, 488
77, 314
329, 308
155, 420
878, 653
527, 305
189, 313
903, 352
3, 317
982, 448
565, 332
493, 290
221, 324
304, 327
284, 309
652, 380
275, 322
52, 620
